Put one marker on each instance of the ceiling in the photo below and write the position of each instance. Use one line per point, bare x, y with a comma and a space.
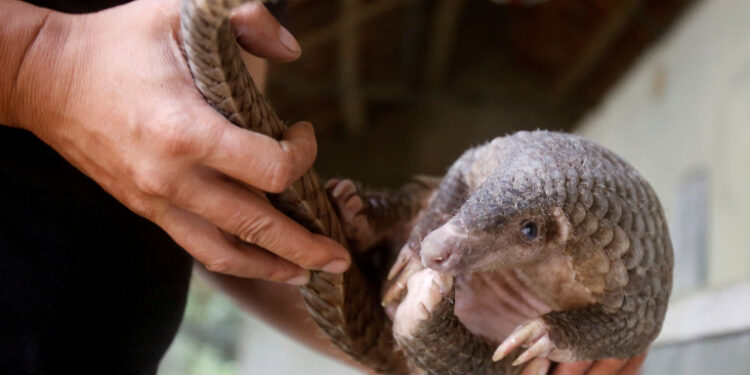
445, 74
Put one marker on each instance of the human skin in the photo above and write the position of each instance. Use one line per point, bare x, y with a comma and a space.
111, 92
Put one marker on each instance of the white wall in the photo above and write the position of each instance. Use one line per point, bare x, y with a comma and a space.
682, 115
265, 351
685, 108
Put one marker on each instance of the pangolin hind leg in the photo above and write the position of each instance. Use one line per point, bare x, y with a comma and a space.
384, 216
377, 222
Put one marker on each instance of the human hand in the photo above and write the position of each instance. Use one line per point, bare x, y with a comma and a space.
111, 92
611, 366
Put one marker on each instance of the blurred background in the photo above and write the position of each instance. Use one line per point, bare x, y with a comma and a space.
402, 87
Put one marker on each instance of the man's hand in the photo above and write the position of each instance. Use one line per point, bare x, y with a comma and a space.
112, 93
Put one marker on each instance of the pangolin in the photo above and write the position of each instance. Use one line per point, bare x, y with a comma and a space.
545, 230
539, 243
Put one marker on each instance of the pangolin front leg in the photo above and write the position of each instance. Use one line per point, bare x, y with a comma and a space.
426, 328
586, 334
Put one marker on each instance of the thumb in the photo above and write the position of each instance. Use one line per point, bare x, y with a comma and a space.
259, 33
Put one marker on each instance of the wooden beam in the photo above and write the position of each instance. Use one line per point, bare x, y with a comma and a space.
444, 24
351, 98
330, 32
596, 49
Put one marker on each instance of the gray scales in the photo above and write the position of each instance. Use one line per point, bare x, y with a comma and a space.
573, 231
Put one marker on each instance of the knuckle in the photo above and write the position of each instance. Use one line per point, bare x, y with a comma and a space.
314, 149
138, 203
173, 138
144, 208
313, 144
278, 274
255, 11
255, 229
271, 272
305, 259
152, 184
281, 173
219, 265
178, 144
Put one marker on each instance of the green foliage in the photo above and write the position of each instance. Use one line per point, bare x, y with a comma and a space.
207, 341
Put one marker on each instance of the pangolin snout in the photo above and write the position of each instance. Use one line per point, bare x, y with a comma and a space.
440, 248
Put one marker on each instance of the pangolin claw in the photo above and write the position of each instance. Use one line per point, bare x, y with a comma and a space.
406, 265
541, 348
532, 334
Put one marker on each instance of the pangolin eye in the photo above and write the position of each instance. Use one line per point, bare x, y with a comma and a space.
530, 230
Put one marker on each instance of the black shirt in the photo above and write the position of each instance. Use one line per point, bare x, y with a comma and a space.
86, 286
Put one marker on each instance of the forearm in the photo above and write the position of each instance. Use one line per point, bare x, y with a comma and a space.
282, 307
31, 41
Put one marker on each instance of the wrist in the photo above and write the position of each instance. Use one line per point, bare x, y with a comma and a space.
34, 69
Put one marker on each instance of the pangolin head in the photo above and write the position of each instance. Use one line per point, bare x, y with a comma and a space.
513, 217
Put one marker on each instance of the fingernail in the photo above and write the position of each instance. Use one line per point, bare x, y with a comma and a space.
299, 280
288, 40
337, 266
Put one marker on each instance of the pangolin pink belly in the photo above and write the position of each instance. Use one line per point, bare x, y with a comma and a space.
493, 304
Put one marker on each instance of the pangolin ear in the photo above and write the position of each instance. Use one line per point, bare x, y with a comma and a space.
561, 229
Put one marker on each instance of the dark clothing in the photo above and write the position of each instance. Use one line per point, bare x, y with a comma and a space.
86, 286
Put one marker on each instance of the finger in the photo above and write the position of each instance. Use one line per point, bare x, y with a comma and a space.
259, 33
633, 365
539, 366
299, 141
209, 246
609, 366
239, 212
574, 368
261, 161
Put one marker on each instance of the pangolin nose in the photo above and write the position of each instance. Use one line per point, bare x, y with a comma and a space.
438, 250
442, 260
439, 260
